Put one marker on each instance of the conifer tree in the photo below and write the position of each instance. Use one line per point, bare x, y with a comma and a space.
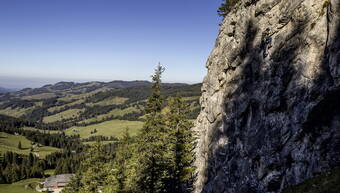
92, 176
152, 164
118, 180
19, 145
181, 145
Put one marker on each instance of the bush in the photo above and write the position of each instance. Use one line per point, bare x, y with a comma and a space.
226, 7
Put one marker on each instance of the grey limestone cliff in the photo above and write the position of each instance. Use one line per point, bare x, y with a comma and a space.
270, 114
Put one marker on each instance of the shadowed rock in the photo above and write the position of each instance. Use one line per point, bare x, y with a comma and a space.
270, 103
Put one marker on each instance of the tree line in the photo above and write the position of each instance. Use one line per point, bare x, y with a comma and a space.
58, 140
15, 167
159, 159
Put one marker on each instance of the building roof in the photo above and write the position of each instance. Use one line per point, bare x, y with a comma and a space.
58, 180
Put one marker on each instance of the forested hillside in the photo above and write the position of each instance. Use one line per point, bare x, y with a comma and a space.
50, 127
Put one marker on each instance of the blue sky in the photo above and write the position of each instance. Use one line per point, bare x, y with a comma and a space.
46, 41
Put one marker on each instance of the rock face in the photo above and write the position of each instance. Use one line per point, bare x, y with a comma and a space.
270, 114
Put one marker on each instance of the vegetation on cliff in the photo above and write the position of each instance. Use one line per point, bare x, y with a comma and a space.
226, 7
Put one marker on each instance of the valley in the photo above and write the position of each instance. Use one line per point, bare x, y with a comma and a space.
55, 123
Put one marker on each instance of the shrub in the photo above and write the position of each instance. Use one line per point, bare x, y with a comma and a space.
226, 7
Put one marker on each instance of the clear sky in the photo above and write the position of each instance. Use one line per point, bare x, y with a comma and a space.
46, 41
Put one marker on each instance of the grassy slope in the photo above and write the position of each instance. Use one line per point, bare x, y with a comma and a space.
39, 96
114, 112
43, 131
70, 113
109, 101
16, 112
49, 172
71, 97
107, 128
10, 142
57, 108
325, 183
94, 142
24, 186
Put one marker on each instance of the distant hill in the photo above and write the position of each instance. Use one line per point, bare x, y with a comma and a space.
77, 88
6, 90
67, 104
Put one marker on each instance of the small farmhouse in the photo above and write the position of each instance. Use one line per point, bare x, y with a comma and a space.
55, 184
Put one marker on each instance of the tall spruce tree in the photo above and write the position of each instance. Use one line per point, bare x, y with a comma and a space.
118, 179
93, 172
181, 145
152, 175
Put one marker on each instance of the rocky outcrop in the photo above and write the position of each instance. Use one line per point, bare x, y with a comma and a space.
270, 114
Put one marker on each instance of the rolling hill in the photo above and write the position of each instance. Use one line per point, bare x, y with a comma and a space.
108, 107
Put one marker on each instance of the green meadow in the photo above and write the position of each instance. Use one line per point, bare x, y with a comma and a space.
107, 128
23, 186
10, 142
70, 113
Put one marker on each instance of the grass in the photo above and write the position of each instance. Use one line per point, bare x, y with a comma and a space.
71, 97
328, 182
23, 186
57, 108
40, 130
39, 96
109, 101
191, 98
17, 112
70, 113
39, 103
93, 142
114, 112
108, 128
10, 142
49, 172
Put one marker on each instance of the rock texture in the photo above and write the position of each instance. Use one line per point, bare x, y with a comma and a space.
270, 113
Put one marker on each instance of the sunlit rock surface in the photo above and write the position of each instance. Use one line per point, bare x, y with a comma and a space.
270, 113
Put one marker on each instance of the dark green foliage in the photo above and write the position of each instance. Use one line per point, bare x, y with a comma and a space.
99, 138
159, 159
19, 145
152, 173
181, 145
17, 103
226, 7
59, 140
325, 183
93, 171
119, 179
15, 167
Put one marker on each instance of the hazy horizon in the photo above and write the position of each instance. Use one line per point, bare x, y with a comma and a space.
44, 42
18, 83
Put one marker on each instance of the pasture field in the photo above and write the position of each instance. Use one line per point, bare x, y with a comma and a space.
70, 113
108, 128
42, 131
49, 172
57, 108
71, 97
10, 142
109, 101
23, 186
93, 142
16, 112
114, 112
39, 96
